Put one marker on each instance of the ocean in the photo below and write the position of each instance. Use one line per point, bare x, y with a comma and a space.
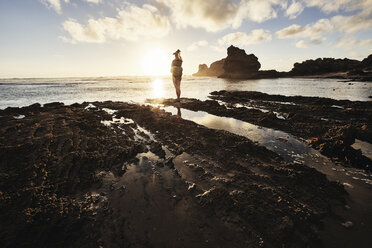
22, 92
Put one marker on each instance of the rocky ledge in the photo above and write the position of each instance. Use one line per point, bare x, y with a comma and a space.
113, 174
331, 126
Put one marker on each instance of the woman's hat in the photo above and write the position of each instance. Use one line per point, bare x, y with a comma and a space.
176, 52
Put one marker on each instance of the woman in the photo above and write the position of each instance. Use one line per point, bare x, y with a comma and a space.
177, 73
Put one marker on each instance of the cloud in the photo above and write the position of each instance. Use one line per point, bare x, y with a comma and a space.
258, 10
94, 1
302, 44
212, 15
329, 6
351, 43
320, 27
294, 10
197, 44
339, 23
352, 24
291, 31
245, 39
56, 5
216, 15
313, 41
131, 23
317, 41
53, 4
94, 31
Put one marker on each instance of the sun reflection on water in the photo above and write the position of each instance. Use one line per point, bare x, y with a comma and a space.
158, 88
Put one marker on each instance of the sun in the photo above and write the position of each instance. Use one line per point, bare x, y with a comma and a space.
156, 62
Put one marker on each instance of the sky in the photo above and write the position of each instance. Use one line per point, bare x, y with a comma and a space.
70, 38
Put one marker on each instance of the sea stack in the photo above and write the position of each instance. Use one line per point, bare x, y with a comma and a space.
215, 70
240, 65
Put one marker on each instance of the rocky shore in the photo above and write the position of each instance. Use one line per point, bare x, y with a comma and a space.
113, 174
330, 126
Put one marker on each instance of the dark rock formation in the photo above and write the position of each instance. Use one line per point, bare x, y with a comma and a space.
270, 74
203, 68
323, 66
236, 65
215, 70
240, 65
367, 62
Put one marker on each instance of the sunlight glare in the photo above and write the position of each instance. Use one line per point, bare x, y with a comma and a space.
156, 62
158, 88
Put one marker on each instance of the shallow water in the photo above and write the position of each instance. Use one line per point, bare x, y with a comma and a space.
280, 142
23, 92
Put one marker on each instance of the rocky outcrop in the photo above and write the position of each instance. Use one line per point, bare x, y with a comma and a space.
323, 66
367, 62
240, 65
236, 65
270, 74
215, 70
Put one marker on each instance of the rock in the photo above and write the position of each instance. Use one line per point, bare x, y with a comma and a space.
240, 65
215, 70
53, 105
347, 224
156, 148
270, 74
367, 62
237, 64
324, 65
203, 69
354, 72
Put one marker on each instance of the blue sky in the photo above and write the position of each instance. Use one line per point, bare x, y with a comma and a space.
57, 38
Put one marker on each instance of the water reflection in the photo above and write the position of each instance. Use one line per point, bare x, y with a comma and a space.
158, 88
282, 143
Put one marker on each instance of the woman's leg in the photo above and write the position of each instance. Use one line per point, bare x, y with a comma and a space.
178, 89
177, 85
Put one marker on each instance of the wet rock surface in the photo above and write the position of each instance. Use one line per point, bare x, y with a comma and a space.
331, 126
114, 174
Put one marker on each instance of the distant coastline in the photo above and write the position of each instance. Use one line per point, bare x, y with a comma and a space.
239, 65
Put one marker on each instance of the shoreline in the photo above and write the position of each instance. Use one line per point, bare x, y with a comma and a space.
337, 75
123, 174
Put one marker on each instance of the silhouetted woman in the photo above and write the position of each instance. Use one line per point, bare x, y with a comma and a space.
177, 73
